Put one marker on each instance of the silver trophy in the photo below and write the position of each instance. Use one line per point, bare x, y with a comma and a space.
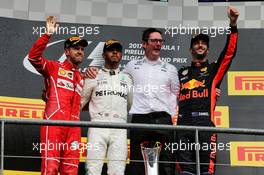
151, 158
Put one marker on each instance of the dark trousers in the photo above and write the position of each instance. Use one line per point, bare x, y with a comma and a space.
165, 137
186, 156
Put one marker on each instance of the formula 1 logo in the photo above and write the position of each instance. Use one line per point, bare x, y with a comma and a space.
95, 56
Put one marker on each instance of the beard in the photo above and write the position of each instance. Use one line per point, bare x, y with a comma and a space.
76, 61
200, 56
114, 60
112, 63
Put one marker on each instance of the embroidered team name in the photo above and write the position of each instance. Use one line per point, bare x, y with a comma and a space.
194, 94
109, 92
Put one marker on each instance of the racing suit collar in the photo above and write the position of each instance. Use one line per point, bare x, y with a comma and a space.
146, 60
68, 65
203, 64
111, 71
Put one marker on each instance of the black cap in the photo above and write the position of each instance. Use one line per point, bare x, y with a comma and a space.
109, 44
198, 37
74, 41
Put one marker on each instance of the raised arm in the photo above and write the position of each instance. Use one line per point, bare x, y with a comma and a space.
224, 61
35, 54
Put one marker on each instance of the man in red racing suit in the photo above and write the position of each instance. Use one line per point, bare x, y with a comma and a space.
63, 81
197, 99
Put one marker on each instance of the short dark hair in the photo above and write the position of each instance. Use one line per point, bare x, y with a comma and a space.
148, 31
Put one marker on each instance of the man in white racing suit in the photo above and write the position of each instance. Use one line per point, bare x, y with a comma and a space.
109, 98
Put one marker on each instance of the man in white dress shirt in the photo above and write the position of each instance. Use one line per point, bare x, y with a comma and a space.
154, 83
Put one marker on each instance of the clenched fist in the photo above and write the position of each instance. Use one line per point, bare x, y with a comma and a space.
233, 14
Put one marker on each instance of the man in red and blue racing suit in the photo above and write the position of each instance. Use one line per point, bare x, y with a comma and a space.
197, 98
64, 83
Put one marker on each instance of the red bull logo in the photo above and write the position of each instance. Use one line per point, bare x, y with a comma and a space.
192, 84
194, 94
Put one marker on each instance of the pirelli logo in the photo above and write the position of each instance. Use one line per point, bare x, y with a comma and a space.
11, 172
83, 149
247, 154
11, 107
246, 83
221, 116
